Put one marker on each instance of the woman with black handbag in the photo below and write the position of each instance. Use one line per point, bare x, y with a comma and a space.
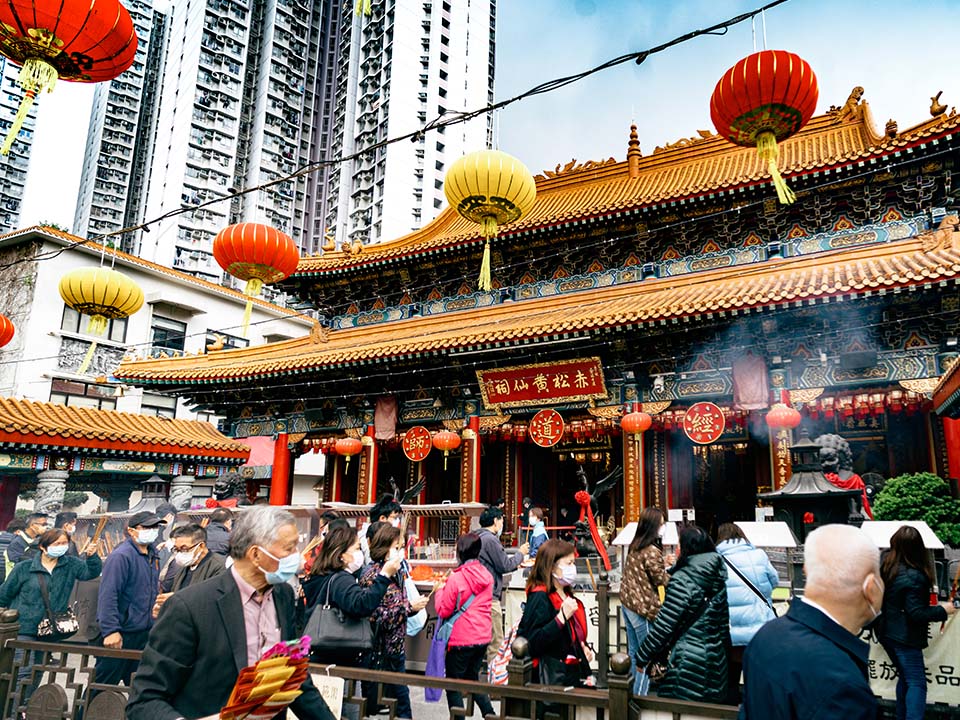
554, 622
40, 590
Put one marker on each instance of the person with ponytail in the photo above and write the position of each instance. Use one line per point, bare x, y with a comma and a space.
554, 621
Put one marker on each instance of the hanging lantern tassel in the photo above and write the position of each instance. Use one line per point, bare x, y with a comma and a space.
768, 152
489, 231
36, 75
364, 7
252, 290
96, 326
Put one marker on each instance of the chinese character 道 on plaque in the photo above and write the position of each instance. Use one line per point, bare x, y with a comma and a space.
543, 383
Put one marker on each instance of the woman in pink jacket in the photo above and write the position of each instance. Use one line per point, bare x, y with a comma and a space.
473, 629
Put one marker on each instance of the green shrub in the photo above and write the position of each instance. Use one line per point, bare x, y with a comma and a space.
921, 496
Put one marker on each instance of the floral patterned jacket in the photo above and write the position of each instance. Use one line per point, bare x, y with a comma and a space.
391, 614
642, 575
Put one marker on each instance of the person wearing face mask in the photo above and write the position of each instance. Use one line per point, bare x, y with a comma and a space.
498, 563
538, 531
194, 561
68, 521
810, 662
128, 590
334, 576
24, 545
210, 631
386, 510
390, 618
21, 591
693, 625
554, 621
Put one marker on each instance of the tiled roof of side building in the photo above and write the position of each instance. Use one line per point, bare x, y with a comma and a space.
25, 422
687, 169
930, 258
155, 267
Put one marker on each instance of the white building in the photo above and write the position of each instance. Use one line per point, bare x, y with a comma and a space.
399, 69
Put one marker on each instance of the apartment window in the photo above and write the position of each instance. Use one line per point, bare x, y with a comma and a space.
229, 341
168, 334
159, 405
74, 322
74, 393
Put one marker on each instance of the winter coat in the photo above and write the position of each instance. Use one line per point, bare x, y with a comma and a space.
22, 548
695, 620
128, 589
496, 560
748, 613
803, 666
547, 637
475, 626
538, 536
390, 616
218, 539
21, 591
907, 610
210, 566
643, 573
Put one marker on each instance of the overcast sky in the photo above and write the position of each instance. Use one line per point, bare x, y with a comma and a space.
901, 53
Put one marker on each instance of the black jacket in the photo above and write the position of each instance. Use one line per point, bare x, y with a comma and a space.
546, 636
197, 649
218, 539
694, 626
907, 610
803, 666
210, 566
346, 594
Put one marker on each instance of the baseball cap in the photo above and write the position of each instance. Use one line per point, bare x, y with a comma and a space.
144, 519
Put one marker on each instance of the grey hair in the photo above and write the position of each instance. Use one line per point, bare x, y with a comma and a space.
259, 525
838, 558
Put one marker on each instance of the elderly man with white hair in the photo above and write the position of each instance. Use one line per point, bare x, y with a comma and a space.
210, 631
810, 663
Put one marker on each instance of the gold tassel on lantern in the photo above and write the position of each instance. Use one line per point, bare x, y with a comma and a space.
252, 289
768, 151
36, 75
364, 7
488, 229
96, 326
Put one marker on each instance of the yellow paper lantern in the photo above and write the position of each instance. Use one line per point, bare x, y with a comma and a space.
492, 189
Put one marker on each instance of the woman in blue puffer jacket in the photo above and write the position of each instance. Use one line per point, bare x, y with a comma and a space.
748, 612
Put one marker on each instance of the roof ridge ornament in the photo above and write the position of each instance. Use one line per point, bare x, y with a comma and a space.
852, 109
574, 167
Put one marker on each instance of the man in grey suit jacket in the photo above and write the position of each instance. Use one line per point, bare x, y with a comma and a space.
210, 631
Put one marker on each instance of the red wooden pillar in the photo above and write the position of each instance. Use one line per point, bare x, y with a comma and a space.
470, 467
280, 489
634, 477
951, 438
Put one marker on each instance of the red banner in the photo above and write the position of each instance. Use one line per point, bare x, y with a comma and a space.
543, 384
546, 428
704, 423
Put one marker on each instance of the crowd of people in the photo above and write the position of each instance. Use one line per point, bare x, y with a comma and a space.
204, 601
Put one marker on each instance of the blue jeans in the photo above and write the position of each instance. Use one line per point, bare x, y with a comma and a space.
637, 628
911, 680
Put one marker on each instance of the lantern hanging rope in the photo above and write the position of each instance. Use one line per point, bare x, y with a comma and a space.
258, 254
103, 295
72, 40
761, 101
489, 188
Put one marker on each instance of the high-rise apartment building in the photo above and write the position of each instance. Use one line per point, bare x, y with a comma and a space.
120, 136
400, 68
13, 167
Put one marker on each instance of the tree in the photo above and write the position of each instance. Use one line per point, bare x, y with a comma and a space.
921, 496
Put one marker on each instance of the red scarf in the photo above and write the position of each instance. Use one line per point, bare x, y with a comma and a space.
577, 624
854, 482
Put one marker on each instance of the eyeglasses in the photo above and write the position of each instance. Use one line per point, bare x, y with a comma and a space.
186, 549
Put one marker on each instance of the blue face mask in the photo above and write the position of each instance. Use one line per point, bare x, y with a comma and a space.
56, 551
287, 569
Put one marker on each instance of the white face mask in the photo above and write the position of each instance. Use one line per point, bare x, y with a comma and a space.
185, 559
356, 563
568, 575
395, 522
150, 535
396, 554
499, 530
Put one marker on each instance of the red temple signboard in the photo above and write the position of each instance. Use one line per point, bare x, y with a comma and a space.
544, 383
417, 443
704, 423
546, 428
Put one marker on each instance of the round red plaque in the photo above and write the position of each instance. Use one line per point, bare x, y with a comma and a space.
417, 443
704, 423
546, 428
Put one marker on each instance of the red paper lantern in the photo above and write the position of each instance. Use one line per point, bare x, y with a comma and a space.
74, 40
348, 447
782, 416
636, 422
446, 440
6, 330
764, 99
256, 253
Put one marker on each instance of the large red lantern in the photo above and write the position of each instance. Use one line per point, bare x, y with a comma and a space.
258, 254
74, 40
635, 422
6, 330
782, 416
348, 447
446, 440
764, 99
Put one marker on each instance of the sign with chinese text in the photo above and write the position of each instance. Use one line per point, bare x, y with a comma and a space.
704, 423
544, 383
417, 443
546, 428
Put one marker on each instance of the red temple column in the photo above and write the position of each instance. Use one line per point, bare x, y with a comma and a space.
369, 460
470, 467
634, 477
951, 438
280, 489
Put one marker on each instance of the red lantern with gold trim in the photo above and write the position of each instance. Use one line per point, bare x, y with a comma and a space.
446, 441
7, 330
85, 41
762, 100
348, 447
257, 253
635, 422
782, 416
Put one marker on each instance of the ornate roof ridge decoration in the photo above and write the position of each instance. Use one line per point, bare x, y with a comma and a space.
704, 166
76, 240
574, 167
924, 386
805, 395
606, 411
655, 408
38, 423
686, 142
806, 279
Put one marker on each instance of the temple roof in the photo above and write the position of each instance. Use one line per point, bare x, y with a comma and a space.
703, 166
25, 422
933, 257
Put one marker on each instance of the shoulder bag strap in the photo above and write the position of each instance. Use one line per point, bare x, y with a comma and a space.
42, 582
750, 585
